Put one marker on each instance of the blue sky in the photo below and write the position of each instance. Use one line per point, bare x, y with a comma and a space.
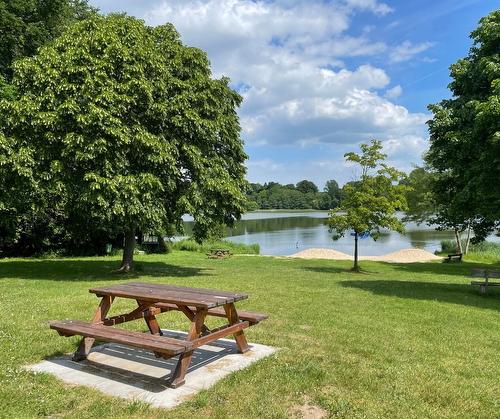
319, 77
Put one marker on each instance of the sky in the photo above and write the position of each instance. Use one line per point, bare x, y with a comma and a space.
319, 77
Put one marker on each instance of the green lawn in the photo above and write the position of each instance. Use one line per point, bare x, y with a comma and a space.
398, 340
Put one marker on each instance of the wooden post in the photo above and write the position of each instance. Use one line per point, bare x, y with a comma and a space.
232, 317
99, 315
195, 331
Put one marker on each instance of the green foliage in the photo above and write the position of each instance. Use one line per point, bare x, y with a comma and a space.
419, 195
304, 195
333, 194
306, 186
370, 203
465, 141
191, 245
121, 125
26, 25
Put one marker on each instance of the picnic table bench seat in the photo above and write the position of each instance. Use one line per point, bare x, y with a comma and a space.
156, 343
250, 316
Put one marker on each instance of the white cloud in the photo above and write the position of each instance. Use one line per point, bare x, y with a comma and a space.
290, 57
406, 51
371, 5
394, 92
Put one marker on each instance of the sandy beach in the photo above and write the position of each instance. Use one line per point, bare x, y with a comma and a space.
401, 256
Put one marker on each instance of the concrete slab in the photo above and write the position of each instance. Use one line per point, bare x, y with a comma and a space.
136, 374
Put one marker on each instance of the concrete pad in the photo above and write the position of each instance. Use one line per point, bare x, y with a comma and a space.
136, 374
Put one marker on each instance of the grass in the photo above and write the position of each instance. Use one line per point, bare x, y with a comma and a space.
191, 245
397, 340
487, 252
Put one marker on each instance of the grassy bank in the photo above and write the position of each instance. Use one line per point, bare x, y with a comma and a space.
398, 340
488, 252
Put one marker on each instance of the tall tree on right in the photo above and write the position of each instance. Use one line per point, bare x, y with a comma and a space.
464, 152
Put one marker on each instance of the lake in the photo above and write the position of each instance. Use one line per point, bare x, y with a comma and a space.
285, 233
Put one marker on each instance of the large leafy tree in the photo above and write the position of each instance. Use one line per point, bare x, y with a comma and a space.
371, 202
26, 25
465, 137
122, 125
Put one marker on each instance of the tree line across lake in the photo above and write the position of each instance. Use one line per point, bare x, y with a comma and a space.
303, 195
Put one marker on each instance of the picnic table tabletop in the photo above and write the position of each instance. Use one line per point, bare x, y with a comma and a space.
162, 293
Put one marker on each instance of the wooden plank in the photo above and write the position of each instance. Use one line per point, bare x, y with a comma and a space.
239, 336
235, 295
168, 346
490, 273
86, 343
185, 359
135, 314
220, 333
250, 316
153, 295
89, 327
139, 292
489, 284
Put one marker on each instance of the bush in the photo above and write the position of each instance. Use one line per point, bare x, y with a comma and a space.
191, 245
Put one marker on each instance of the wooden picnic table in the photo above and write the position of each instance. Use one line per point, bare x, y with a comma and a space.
153, 299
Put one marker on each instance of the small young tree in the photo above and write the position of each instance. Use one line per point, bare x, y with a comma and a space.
370, 203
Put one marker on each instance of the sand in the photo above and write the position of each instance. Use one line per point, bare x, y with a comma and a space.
401, 256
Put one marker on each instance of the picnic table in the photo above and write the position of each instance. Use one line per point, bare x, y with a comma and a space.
154, 299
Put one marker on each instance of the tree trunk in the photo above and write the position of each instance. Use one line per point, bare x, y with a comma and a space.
128, 251
467, 241
459, 242
356, 265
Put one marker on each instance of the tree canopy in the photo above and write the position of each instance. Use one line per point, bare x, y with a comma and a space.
304, 195
26, 25
371, 202
122, 124
464, 152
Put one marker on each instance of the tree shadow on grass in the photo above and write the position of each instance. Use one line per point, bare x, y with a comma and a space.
441, 268
91, 270
464, 294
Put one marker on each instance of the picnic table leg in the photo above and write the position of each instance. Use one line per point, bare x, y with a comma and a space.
195, 331
99, 315
232, 317
190, 315
153, 326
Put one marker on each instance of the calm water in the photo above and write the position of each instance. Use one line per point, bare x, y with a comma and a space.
285, 233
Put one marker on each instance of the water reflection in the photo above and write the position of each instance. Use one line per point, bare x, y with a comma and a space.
285, 233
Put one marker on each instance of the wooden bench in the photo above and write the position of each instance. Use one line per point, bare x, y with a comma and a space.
158, 344
251, 317
454, 256
219, 253
486, 274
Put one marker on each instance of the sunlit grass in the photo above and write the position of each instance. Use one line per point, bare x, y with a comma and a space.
397, 340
